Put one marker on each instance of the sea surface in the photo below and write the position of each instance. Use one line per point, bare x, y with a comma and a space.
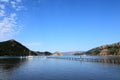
43, 68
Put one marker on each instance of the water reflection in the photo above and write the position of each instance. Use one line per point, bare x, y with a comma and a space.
9, 65
102, 59
42, 68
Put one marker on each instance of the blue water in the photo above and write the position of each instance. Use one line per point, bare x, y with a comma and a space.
42, 68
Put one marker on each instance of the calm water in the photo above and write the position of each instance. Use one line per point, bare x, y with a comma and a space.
42, 68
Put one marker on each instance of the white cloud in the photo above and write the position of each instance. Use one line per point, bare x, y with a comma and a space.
18, 0
7, 26
2, 6
2, 13
8, 20
13, 3
4, 0
16, 6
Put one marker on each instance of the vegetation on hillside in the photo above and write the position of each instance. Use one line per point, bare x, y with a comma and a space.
113, 49
14, 48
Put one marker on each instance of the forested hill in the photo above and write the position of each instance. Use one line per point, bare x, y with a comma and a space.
14, 48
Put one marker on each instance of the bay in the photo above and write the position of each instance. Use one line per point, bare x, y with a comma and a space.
43, 68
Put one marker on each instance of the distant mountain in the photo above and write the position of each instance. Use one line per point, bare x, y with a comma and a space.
78, 53
112, 49
14, 48
57, 53
72, 53
46, 53
66, 53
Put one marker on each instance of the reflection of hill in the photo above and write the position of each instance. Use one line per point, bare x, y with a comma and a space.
72, 53
11, 63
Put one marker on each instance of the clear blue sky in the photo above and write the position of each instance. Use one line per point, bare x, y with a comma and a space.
68, 25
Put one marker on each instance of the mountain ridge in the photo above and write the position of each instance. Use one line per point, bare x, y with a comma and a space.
109, 49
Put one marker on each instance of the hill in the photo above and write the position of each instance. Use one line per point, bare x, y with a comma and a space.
57, 53
73, 53
112, 49
14, 48
46, 53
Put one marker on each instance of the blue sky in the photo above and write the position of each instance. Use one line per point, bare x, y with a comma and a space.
62, 25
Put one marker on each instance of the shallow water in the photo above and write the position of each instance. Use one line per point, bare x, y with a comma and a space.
42, 68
